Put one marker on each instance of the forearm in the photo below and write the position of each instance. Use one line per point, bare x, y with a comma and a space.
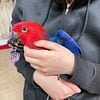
58, 91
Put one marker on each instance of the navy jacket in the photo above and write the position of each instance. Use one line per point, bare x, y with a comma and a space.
82, 23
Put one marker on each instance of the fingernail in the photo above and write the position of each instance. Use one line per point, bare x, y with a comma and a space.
78, 90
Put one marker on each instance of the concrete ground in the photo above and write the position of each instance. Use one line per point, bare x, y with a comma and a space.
11, 82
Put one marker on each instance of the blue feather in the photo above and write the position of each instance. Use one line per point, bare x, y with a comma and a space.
65, 40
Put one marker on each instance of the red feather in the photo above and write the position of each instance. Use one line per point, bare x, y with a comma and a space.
30, 32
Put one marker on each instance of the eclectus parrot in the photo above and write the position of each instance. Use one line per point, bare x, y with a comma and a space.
28, 32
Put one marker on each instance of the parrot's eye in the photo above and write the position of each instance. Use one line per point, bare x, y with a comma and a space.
24, 29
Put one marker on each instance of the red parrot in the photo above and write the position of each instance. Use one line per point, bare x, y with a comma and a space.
26, 33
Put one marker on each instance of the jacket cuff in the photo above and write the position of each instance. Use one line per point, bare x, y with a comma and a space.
83, 73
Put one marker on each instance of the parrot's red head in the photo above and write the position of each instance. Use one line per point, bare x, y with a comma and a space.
27, 32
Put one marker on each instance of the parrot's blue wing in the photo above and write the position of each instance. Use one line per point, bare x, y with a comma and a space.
68, 42
65, 40
55, 38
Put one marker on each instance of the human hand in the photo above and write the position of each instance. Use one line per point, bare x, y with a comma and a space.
56, 89
54, 59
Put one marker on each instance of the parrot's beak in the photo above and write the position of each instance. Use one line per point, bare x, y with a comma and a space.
15, 41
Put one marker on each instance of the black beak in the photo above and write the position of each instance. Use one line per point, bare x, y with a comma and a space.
14, 41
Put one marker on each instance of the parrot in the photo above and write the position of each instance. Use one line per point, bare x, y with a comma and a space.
28, 32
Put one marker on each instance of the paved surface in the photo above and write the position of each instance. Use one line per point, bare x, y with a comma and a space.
11, 82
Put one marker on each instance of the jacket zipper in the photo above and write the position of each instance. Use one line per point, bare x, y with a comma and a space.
69, 5
67, 9
66, 13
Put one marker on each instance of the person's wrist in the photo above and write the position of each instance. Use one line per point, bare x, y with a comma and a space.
71, 65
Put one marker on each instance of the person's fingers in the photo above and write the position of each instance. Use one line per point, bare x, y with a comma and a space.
36, 67
32, 60
74, 87
34, 53
47, 44
68, 92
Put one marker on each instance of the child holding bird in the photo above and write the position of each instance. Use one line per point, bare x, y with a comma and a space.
79, 78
